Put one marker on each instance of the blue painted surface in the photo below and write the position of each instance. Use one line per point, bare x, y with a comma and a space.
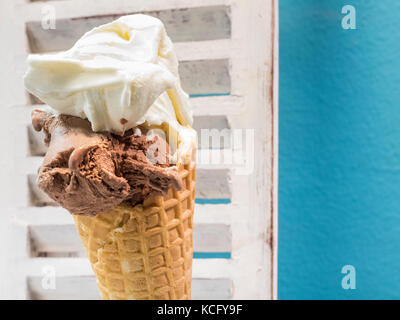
339, 122
209, 94
212, 201
211, 255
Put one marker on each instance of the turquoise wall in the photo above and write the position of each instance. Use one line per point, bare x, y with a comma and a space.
339, 149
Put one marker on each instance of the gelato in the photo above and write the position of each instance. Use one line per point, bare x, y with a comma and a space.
89, 173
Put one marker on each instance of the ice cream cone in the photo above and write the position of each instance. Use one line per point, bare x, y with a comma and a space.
144, 252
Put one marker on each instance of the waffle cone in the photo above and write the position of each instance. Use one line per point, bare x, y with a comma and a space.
144, 252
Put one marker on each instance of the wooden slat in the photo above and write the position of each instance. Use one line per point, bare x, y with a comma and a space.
210, 184
75, 275
204, 68
52, 230
225, 105
273, 233
204, 156
64, 238
209, 113
69, 287
200, 50
38, 148
30, 165
38, 216
65, 267
200, 77
194, 24
77, 8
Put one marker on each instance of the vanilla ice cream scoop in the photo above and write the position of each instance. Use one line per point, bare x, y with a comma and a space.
117, 76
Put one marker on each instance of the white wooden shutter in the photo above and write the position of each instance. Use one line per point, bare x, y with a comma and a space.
228, 64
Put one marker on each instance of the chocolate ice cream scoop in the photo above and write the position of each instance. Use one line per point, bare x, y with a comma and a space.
89, 173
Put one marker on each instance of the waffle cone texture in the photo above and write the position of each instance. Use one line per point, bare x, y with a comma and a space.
144, 252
